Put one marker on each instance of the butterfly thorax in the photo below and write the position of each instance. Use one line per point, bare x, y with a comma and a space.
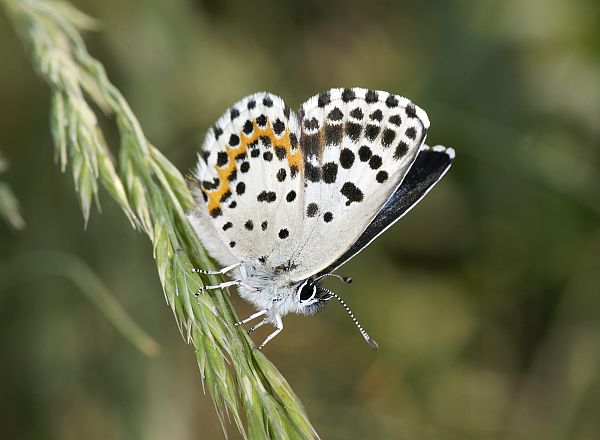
272, 289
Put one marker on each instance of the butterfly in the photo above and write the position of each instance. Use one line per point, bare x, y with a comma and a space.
285, 198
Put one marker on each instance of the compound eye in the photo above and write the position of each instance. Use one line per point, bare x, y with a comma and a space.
307, 291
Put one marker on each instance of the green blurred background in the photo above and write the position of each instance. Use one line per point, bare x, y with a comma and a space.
485, 300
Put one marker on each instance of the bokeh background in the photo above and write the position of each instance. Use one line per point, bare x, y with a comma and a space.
485, 300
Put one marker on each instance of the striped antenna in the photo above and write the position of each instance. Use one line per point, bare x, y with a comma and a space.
365, 335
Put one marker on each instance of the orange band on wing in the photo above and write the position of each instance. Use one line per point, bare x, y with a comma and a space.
294, 159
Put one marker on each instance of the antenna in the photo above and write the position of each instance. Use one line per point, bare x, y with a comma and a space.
346, 280
365, 335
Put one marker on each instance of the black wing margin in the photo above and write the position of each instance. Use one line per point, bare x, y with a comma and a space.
428, 168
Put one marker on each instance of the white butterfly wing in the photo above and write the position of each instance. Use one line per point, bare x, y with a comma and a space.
357, 145
248, 184
296, 196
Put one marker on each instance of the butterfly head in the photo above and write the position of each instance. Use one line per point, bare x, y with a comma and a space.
311, 297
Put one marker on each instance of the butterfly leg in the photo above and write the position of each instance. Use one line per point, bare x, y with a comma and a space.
251, 317
254, 327
217, 286
279, 327
216, 272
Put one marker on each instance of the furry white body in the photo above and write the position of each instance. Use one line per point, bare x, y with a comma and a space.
268, 290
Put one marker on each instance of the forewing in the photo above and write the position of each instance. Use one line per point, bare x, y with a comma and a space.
248, 181
429, 167
358, 145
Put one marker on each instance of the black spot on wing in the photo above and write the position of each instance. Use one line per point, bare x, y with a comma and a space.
348, 95
268, 156
364, 153
335, 114
330, 172
311, 144
375, 162
293, 171
357, 113
371, 132
395, 119
222, 158
333, 134
311, 124
240, 188
280, 152
381, 176
391, 101
278, 127
353, 130
324, 99
266, 196
293, 141
352, 193
377, 115
401, 150
312, 209
265, 141
234, 140
261, 121
371, 97
346, 158
281, 174
311, 172
208, 185
387, 137
267, 101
